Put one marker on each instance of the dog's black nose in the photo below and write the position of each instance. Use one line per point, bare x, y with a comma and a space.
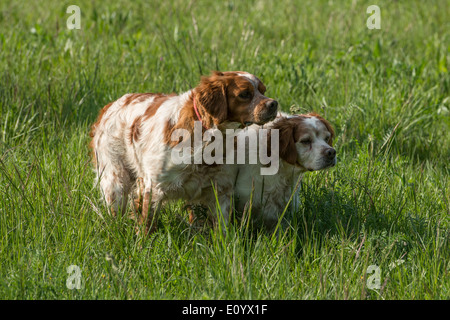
272, 105
330, 153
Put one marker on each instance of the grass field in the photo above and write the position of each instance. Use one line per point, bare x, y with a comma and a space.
385, 204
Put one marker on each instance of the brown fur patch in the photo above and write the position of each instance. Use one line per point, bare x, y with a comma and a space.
137, 97
168, 129
185, 121
155, 104
261, 87
211, 99
135, 130
288, 135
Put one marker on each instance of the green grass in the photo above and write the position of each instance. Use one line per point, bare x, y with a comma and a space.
387, 201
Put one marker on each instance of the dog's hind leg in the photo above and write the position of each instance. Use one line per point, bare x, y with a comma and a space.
115, 183
151, 205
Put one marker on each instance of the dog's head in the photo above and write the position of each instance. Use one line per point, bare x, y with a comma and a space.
233, 96
306, 141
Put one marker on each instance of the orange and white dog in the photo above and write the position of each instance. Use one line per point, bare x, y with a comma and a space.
133, 138
305, 144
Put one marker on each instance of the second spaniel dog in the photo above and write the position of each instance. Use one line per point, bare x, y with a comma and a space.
305, 144
133, 139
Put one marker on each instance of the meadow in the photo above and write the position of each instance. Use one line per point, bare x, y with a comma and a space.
376, 226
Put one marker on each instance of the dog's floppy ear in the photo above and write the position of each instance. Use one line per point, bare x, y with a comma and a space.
288, 151
211, 99
330, 129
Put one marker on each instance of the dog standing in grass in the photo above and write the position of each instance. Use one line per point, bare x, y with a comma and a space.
305, 144
133, 138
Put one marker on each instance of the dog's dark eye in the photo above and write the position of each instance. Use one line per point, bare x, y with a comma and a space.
306, 141
245, 95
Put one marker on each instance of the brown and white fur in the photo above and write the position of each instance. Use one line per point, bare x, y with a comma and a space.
132, 139
305, 144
